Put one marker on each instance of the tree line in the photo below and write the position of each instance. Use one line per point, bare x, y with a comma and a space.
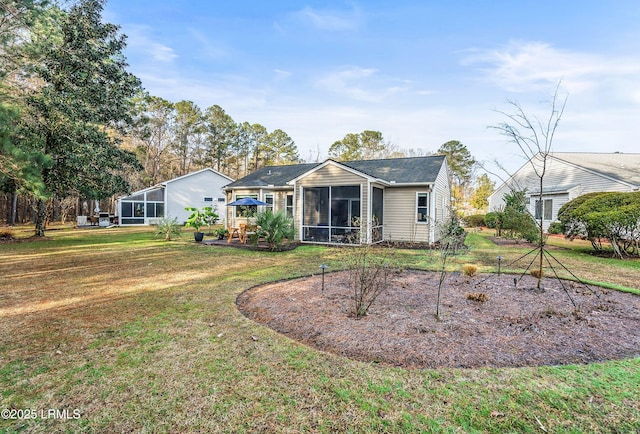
76, 126
75, 123
173, 139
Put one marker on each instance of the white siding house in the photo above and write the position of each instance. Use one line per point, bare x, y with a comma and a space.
567, 176
169, 198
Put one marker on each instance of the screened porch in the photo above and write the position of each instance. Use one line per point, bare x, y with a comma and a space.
142, 208
337, 214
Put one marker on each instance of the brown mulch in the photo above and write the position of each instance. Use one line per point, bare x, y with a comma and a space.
518, 325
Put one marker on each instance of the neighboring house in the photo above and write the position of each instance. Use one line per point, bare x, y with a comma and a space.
569, 175
398, 199
169, 198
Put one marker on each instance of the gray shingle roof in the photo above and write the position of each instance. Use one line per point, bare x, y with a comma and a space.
625, 167
273, 175
400, 170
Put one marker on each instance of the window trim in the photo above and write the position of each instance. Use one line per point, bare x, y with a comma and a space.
417, 207
542, 211
273, 201
288, 209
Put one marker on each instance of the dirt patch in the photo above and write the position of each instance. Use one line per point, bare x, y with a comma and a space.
518, 325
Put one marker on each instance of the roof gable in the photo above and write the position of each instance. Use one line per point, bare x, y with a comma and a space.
208, 169
411, 170
331, 162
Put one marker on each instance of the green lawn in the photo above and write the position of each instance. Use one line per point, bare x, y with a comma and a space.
138, 334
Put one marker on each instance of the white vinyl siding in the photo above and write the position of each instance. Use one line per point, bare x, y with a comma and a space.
562, 183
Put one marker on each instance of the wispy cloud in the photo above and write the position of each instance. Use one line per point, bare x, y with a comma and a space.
362, 84
531, 66
207, 47
281, 74
329, 19
231, 92
139, 41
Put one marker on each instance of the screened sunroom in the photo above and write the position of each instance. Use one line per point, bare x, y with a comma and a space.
143, 208
335, 214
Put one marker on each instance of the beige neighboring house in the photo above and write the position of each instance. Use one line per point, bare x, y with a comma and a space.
569, 175
367, 201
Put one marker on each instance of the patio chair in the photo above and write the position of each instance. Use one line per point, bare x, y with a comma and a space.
232, 231
243, 233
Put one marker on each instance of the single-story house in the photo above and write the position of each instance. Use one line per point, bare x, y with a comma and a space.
368, 201
169, 198
567, 176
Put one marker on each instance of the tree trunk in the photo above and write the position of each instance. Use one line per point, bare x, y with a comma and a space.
541, 240
14, 209
40, 218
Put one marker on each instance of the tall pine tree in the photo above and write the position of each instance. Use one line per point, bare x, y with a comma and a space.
83, 90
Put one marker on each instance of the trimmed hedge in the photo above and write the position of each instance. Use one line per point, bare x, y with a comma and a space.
474, 221
605, 217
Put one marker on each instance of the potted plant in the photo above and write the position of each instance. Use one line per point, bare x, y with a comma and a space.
210, 217
196, 220
221, 233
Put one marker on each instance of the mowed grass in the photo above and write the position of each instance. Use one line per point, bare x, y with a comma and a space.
142, 335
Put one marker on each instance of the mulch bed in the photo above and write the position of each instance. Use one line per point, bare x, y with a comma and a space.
518, 325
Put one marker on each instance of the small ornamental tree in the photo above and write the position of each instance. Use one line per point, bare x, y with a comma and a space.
514, 221
369, 273
534, 137
452, 236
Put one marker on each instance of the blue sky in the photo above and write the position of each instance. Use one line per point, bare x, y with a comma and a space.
421, 72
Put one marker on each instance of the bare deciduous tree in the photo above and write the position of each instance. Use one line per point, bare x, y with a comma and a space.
534, 138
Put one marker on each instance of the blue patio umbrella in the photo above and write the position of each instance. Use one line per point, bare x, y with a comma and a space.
246, 201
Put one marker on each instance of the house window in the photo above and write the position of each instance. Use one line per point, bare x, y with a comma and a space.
268, 198
246, 211
544, 208
422, 208
127, 209
155, 209
289, 205
155, 195
208, 199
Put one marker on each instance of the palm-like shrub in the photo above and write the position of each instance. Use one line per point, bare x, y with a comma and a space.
274, 228
168, 228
